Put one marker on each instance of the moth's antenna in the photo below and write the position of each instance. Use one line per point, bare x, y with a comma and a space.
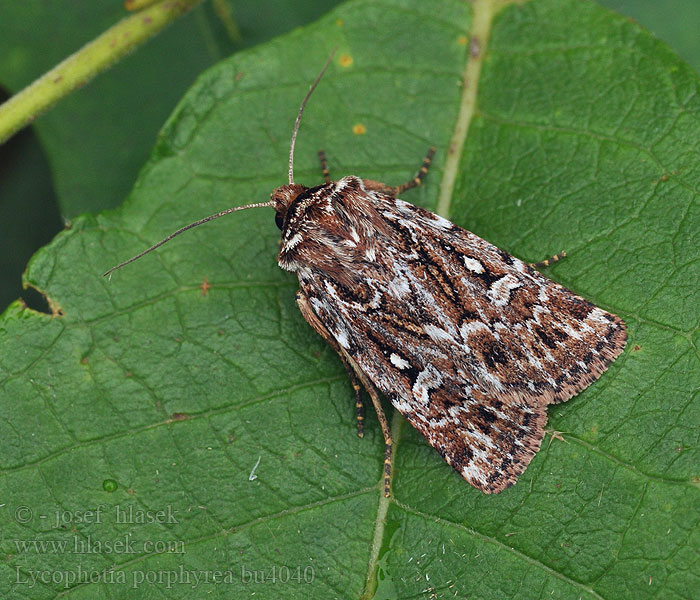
185, 228
301, 110
237, 208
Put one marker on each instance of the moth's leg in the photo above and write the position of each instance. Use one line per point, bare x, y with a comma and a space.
359, 405
311, 318
324, 166
395, 190
552, 259
386, 432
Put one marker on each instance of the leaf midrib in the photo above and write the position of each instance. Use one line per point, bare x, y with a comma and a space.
483, 12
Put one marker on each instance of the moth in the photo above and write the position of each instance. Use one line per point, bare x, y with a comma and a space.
467, 342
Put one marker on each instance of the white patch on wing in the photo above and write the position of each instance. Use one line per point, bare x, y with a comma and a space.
428, 379
342, 338
569, 330
537, 311
522, 267
440, 222
402, 206
473, 473
376, 299
495, 383
398, 286
585, 327
499, 292
398, 362
534, 361
482, 438
331, 290
473, 265
440, 422
437, 334
404, 407
597, 316
471, 327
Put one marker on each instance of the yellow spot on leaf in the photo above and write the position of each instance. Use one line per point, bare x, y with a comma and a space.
339, 22
359, 129
462, 40
345, 60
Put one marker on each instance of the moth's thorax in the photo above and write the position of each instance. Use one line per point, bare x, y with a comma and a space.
327, 227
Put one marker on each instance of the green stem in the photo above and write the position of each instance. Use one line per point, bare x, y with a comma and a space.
483, 12
93, 58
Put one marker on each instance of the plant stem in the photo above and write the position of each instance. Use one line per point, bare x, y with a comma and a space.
93, 58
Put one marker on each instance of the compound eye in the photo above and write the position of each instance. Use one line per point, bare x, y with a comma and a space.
279, 220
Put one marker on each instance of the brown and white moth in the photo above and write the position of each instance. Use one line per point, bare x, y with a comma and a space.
467, 342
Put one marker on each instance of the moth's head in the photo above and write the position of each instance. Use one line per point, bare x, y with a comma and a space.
329, 226
304, 216
282, 198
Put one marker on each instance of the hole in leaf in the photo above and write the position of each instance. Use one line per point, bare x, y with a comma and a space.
35, 300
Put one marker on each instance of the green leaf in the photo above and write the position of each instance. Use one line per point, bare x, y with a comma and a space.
673, 21
97, 139
191, 380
